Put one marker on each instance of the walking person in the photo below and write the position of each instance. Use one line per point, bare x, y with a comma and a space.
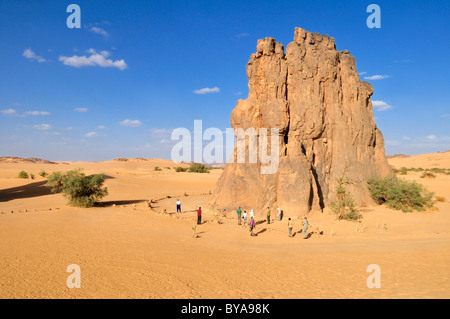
290, 226
305, 228
268, 215
252, 214
178, 206
252, 225
199, 216
244, 216
239, 212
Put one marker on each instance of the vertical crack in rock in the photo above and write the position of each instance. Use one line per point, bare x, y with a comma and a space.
312, 93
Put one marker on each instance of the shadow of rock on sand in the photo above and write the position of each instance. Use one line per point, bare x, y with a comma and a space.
119, 202
25, 191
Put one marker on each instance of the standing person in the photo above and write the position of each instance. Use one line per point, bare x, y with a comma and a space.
290, 226
278, 214
252, 225
244, 215
239, 212
252, 214
178, 206
199, 216
268, 215
305, 228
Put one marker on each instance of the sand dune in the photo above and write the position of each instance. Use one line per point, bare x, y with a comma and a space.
126, 250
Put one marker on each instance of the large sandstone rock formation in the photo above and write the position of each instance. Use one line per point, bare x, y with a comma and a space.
313, 94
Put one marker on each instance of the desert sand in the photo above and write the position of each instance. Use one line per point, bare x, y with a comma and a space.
127, 250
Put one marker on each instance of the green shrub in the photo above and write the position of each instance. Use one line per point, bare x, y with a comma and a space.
32, 176
428, 175
157, 168
344, 206
198, 168
23, 174
43, 173
180, 169
399, 194
81, 190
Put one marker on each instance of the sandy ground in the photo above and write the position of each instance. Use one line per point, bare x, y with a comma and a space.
126, 250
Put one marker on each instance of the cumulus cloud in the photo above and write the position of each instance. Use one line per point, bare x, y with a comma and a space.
9, 112
42, 127
36, 113
29, 54
94, 59
91, 134
102, 127
13, 112
80, 109
207, 90
377, 77
99, 31
131, 123
381, 106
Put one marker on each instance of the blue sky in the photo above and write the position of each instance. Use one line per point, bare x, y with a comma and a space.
117, 86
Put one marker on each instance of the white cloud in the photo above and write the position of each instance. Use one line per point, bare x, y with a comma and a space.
91, 134
381, 106
36, 113
445, 116
242, 35
80, 109
95, 59
102, 127
29, 54
99, 31
9, 112
13, 112
42, 127
131, 123
362, 73
207, 90
377, 77
431, 137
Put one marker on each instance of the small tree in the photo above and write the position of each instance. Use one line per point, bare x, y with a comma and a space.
180, 169
400, 194
43, 173
344, 207
198, 168
23, 174
81, 190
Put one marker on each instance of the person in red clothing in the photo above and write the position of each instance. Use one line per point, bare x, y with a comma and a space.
199, 216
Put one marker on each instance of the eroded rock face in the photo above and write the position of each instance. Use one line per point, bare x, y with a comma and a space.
313, 95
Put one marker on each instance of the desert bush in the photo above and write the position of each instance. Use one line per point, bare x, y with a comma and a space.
81, 190
198, 168
32, 176
344, 206
23, 174
180, 169
427, 175
440, 199
43, 173
399, 194
157, 168
55, 182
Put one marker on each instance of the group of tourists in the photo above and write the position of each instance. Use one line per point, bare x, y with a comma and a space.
242, 216
252, 224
